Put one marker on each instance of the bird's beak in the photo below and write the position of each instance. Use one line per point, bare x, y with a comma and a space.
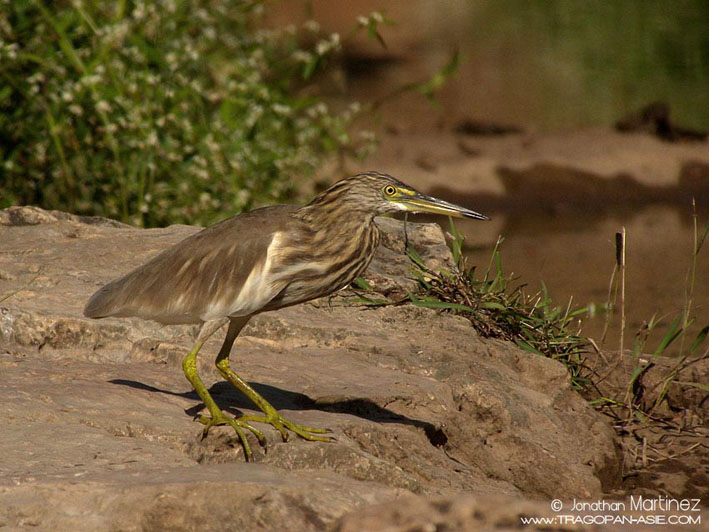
422, 203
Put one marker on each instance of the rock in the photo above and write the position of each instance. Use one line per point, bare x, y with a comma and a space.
224, 497
470, 513
461, 513
97, 428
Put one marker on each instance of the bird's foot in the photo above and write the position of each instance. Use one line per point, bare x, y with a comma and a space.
282, 425
238, 425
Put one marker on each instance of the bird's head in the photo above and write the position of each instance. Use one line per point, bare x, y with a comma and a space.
379, 193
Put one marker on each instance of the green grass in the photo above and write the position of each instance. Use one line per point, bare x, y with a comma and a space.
499, 307
637, 403
157, 113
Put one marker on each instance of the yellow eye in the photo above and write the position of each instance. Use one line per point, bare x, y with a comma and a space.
389, 190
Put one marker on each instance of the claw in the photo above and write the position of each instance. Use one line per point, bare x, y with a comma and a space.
238, 425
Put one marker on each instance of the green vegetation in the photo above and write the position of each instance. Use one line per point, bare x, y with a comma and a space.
498, 307
643, 358
159, 112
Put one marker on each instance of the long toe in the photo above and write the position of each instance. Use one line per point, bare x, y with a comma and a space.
282, 425
238, 425
309, 433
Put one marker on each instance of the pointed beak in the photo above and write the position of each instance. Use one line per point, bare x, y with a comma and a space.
423, 203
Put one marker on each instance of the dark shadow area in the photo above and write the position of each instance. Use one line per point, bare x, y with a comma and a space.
547, 199
146, 387
655, 120
232, 401
549, 188
361, 65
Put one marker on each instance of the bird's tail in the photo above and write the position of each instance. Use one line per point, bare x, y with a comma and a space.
104, 302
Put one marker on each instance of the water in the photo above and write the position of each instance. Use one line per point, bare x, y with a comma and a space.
575, 260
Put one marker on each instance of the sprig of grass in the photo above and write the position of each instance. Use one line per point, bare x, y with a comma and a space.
23, 287
363, 285
637, 407
498, 307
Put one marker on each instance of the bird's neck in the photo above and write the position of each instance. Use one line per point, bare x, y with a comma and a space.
333, 231
333, 216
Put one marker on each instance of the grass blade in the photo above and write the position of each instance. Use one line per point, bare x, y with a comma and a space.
363, 284
670, 336
699, 340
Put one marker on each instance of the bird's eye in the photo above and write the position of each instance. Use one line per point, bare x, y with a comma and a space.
389, 190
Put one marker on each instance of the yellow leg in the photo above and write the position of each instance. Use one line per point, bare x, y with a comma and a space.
272, 417
217, 417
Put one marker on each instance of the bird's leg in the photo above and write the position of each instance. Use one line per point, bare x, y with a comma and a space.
217, 417
272, 417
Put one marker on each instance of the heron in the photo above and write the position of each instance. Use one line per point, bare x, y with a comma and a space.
266, 259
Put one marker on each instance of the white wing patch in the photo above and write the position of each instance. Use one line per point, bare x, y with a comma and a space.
258, 289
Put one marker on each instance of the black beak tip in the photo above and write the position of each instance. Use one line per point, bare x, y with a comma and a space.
478, 216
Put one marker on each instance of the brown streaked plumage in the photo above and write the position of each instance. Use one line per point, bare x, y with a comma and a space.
262, 260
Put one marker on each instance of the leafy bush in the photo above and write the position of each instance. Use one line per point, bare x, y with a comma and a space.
156, 112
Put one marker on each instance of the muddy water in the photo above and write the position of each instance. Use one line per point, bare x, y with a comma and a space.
575, 255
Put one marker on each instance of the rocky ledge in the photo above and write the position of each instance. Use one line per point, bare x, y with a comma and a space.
99, 430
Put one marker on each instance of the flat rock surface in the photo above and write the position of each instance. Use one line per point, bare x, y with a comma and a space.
99, 426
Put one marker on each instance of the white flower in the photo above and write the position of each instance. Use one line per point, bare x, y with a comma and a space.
11, 50
171, 58
323, 47
302, 56
281, 109
210, 33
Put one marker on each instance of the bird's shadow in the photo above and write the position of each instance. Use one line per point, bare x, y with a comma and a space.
230, 400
